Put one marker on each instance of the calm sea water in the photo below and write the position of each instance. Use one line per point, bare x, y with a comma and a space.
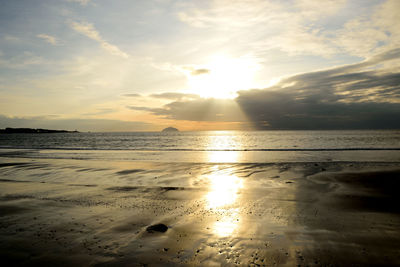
231, 146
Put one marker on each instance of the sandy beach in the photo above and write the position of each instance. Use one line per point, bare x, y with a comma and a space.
57, 212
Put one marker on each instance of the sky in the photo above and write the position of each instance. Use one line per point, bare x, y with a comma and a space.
143, 65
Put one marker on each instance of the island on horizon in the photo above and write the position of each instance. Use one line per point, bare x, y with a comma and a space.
170, 129
30, 130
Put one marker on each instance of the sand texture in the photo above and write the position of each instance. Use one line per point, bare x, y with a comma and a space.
95, 213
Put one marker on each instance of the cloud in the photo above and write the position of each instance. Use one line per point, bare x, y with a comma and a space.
11, 38
357, 96
22, 61
154, 110
174, 96
367, 34
81, 2
100, 111
200, 71
167, 95
132, 95
256, 25
192, 70
316, 9
227, 13
88, 30
48, 38
49, 122
210, 109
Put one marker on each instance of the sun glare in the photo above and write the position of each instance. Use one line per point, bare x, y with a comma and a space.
222, 197
226, 75
223, 191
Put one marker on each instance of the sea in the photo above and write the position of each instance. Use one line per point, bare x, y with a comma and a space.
209, 146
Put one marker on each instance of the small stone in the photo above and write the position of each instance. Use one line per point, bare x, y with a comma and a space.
157, 228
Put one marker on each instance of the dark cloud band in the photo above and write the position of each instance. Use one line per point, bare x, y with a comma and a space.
357, 96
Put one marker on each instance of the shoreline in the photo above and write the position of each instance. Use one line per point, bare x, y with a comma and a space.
212, 157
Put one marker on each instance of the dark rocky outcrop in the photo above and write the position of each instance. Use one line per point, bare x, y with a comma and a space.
170, 129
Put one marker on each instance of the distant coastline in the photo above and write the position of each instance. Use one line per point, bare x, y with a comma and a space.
30, 130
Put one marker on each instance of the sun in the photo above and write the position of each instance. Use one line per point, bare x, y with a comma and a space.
222, 76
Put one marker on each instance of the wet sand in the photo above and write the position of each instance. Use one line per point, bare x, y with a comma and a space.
80, 213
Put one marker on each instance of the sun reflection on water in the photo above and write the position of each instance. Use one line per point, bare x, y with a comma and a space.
223, 156
223, 147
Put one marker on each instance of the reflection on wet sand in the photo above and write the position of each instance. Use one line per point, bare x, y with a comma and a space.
227, 224
222, 197
223, 191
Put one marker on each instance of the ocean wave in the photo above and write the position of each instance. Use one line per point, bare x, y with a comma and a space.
206, 150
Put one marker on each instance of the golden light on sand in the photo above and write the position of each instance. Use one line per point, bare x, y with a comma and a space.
223, 156
224, 190
223, 194
227, 225
226, 75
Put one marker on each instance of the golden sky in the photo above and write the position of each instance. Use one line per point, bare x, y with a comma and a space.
122, 65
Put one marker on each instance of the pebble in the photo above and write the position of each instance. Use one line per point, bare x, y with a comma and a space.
157, 228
